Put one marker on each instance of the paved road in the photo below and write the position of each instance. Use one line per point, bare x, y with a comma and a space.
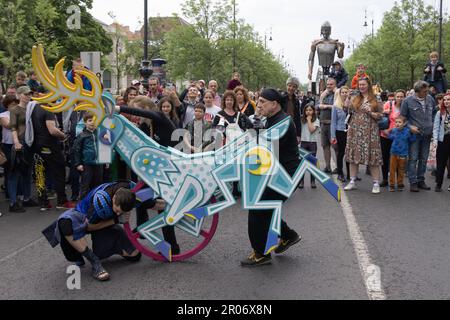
407, 236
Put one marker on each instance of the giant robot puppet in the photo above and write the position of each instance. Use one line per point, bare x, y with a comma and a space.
326, 50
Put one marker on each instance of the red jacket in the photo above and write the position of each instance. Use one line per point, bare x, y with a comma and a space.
356, 79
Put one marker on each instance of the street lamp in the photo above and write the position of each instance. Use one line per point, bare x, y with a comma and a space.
145, 70
350, 39
440, 32
265, 38
372, 26
234, 35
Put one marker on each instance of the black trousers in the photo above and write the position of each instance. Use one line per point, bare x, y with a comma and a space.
91, 177
168, 232
55, 165
341, 138
442, 157
105, 242
386, 154
259, 223
311, 147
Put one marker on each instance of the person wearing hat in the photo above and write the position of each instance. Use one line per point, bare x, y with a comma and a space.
19, 124
338, 72
269, 105
291, 104
98, 214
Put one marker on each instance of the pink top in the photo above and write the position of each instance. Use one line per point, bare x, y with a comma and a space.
393, 114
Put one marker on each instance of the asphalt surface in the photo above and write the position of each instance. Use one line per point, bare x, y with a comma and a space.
407, 236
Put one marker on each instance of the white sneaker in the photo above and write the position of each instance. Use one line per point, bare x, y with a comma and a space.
351, 186
376, 189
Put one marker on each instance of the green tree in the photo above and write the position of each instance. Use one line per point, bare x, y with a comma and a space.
24, 23
398, 52
204, 49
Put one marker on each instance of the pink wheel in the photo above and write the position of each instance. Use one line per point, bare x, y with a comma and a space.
193, 246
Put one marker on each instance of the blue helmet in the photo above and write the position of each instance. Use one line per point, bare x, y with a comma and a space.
102, 205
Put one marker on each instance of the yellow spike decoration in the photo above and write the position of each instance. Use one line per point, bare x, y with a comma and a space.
64, 94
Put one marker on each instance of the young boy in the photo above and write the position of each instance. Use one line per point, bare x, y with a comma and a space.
434, 73
360, 73
85, 156
195, 137
33, 82
98, 213
338, 72
401, 136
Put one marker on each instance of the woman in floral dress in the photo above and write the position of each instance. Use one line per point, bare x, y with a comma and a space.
363, 136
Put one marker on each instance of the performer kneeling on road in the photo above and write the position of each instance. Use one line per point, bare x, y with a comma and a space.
98, 214
269, 106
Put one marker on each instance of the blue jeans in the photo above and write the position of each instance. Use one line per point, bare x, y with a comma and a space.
418, 156
19, 182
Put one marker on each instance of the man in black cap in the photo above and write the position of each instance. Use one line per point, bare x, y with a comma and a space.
269, 105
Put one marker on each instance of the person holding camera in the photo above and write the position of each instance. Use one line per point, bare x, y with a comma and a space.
363, 136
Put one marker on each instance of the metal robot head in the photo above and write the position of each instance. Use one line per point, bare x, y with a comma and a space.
325, 30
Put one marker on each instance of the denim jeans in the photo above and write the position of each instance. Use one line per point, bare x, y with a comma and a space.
418, 156
19, 182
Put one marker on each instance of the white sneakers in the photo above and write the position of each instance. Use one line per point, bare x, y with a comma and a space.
376, 189
351, 186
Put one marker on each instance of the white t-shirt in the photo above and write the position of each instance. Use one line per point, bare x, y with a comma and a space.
307, 136
7, 137
211, 112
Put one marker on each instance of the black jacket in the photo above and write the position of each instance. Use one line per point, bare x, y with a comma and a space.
85, 148
341, 77
297, 112
438, 75
289, 155
163, 127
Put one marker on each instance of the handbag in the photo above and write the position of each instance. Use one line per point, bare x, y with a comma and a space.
3, 158
383, 124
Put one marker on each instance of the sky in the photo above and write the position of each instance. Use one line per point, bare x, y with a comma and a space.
293, 24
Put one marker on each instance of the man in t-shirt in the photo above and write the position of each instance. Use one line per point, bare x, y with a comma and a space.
47, 144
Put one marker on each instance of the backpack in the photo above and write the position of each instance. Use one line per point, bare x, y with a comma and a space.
233, 130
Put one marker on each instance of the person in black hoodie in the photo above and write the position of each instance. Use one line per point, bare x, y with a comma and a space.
160, 128
291, 104
259, 220
338, 72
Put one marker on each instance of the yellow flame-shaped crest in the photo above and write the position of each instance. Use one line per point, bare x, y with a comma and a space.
64, 94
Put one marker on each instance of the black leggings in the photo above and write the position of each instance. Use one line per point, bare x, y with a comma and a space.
442, 157
341, 138
386, 153
168, 231
311, 147
105, 242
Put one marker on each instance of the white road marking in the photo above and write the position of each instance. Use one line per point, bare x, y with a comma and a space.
13, 254
370, 272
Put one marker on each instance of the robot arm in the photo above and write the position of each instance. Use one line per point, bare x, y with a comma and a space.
340, 49
312, 56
